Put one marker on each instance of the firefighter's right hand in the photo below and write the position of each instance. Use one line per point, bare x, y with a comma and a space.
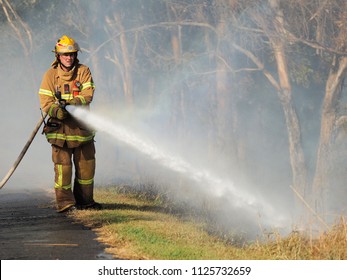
62, 114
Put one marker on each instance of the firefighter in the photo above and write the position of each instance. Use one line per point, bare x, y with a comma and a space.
69, 83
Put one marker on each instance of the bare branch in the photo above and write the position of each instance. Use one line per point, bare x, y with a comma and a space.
292, 38
160, 24
261, 66
18, 26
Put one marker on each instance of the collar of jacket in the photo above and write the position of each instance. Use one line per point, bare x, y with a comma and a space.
67, 76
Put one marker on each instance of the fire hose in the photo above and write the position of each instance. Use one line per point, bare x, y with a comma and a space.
24, 150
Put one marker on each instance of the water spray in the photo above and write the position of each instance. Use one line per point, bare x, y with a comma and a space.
221, 187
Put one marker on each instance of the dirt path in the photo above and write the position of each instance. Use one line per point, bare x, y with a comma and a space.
30, 229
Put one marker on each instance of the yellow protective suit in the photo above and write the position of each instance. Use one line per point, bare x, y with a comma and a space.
72, 142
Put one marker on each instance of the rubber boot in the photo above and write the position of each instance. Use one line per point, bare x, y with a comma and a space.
83, 194
65, 199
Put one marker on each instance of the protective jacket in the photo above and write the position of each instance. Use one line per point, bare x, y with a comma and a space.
76, 85
69, 138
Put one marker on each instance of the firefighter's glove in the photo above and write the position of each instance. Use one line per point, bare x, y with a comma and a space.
62, 114
57, 111
74, 102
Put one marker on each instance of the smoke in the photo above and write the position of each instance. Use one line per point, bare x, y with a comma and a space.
162, 163
200, 174
191, 174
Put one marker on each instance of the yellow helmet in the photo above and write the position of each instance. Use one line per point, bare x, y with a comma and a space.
66, 45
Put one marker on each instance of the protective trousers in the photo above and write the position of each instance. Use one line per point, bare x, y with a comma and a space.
83, 158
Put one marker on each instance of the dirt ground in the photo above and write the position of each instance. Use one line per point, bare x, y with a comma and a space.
30, 229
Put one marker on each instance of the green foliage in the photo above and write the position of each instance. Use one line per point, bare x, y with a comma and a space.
301, 73
133, 231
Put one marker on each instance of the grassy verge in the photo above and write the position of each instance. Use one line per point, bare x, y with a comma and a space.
137, 228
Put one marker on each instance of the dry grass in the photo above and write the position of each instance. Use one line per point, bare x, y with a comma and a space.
331, 245
138, 228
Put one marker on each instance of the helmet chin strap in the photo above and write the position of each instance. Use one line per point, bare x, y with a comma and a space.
68, 68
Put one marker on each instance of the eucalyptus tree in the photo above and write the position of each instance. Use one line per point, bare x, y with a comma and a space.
318, 29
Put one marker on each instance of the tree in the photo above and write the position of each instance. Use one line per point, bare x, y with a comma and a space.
330, 119
272, 29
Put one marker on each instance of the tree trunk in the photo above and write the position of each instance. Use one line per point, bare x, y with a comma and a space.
178, 102
127, 75
297, 159
225, 106
328, 128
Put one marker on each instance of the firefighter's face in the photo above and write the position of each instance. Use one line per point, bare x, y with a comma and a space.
67, 59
